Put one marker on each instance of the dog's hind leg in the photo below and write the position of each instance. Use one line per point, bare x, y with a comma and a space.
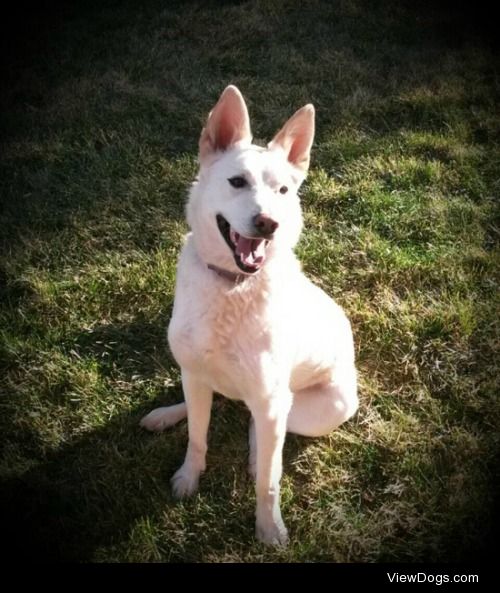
315, 412
318, 410
162, 418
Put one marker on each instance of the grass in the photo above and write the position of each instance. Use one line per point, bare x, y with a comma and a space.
100, 120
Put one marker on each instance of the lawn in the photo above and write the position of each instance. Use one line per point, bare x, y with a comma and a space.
100, 116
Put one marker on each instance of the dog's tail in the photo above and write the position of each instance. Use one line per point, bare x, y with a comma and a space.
162, 418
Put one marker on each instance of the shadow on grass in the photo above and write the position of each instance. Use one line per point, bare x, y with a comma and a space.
89, 495
131, 348
66, 507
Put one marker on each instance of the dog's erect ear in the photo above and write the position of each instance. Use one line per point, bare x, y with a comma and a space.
227, 123
296, 137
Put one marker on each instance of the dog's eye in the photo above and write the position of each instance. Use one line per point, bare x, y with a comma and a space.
238, 181
283, 189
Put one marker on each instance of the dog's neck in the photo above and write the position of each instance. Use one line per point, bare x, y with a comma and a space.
227, 275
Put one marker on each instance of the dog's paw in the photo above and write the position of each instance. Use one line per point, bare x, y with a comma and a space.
160, 419
272, 533
185, 482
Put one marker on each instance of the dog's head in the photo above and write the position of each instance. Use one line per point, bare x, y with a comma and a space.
244, 207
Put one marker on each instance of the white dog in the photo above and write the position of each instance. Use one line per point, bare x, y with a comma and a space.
246, 321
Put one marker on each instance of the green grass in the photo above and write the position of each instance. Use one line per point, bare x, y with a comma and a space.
100, 119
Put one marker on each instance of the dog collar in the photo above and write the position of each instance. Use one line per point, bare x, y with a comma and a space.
231, 276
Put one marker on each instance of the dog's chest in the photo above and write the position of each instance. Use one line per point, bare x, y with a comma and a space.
229, 344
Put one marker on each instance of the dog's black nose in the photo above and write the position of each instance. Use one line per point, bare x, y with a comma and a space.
265, 225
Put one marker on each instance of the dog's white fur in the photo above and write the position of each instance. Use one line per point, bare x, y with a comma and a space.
274, 340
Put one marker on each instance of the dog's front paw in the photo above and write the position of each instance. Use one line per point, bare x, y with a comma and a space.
273, 533
185, 482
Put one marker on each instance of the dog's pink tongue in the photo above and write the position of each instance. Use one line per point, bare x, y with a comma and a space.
252, 252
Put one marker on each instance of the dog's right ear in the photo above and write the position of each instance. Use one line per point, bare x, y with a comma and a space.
227, 124
296, 137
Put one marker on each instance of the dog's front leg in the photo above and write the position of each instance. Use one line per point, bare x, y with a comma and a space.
198, 398
270, 416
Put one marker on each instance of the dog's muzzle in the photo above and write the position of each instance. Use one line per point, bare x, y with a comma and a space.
249, 252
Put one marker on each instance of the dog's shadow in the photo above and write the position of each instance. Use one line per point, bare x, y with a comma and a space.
88, 494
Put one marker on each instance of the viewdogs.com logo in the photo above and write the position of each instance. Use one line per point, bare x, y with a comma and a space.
436, 579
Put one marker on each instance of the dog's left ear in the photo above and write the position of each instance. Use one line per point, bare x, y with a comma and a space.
296, 137
227, 124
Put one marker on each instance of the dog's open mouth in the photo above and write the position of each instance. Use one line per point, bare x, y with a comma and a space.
249, 253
